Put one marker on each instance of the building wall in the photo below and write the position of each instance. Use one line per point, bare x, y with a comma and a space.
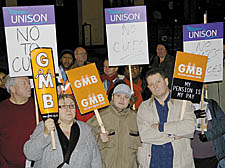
11, 2
92, 13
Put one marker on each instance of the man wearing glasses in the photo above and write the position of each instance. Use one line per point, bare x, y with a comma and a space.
80, 56
81, 60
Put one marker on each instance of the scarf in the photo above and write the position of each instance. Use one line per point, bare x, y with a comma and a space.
111, 80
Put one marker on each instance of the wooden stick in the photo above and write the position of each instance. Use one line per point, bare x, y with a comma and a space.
37, 121
205, 17
36, 108
202, 96
100, 121
202, 108
53, 140
131, 83
183, 109
206, 92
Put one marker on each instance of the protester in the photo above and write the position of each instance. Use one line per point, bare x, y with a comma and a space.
75, 144
66, 61
80, 57
209, 148
164, 133
139, 84
110, 76
17, 121
65, 88
118, 147
164, 61
3, 92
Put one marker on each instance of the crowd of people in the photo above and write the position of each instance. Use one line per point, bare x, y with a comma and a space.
145, 127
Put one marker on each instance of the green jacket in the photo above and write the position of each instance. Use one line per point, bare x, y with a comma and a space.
121, 150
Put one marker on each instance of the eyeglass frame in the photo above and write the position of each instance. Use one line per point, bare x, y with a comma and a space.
82, 54
66, 106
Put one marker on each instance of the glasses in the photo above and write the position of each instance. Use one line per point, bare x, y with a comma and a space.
65, 106
82, 54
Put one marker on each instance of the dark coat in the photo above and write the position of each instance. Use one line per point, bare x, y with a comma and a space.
215, 134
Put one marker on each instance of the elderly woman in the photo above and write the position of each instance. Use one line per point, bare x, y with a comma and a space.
75, 143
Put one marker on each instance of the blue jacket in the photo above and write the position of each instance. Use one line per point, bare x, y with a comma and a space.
215, 134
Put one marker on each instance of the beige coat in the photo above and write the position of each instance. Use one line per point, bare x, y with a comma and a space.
121, 150
176, 130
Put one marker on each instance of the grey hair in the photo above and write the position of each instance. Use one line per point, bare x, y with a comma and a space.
10, 81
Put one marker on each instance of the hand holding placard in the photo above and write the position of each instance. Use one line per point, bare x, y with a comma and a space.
45, 86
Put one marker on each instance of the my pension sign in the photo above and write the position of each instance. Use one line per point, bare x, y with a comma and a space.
87, 88
188, 78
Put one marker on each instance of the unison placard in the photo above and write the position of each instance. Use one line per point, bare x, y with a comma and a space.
27, 28
127, 38
206, 39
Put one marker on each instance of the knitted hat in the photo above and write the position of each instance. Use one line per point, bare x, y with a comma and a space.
122, 88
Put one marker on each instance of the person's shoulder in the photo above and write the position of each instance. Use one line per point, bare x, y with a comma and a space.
132, 112
181, 102
147, 102
170, 57
6, 101
144, 105
83, 125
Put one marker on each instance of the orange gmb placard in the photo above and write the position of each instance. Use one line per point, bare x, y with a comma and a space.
44, 80
190, 66
87, 88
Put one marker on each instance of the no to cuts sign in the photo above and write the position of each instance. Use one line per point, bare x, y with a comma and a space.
27, 28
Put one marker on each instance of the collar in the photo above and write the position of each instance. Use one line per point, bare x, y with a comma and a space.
165, 101
123, 112
168, 99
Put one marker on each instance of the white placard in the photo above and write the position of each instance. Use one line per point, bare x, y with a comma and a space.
27, 28
127, 38
207, 40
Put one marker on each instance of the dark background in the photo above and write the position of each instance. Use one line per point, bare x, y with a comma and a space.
165, 20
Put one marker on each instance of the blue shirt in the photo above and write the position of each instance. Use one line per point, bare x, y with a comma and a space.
64, 76
162, 155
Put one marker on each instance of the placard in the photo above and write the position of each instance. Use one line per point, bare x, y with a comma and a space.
45, 82
188, 77
27, 28
127, 39
206, 39
87, 88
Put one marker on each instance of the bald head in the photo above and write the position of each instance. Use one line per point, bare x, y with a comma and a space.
80, 55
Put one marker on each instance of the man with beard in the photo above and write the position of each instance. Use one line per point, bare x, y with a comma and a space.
66, 61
